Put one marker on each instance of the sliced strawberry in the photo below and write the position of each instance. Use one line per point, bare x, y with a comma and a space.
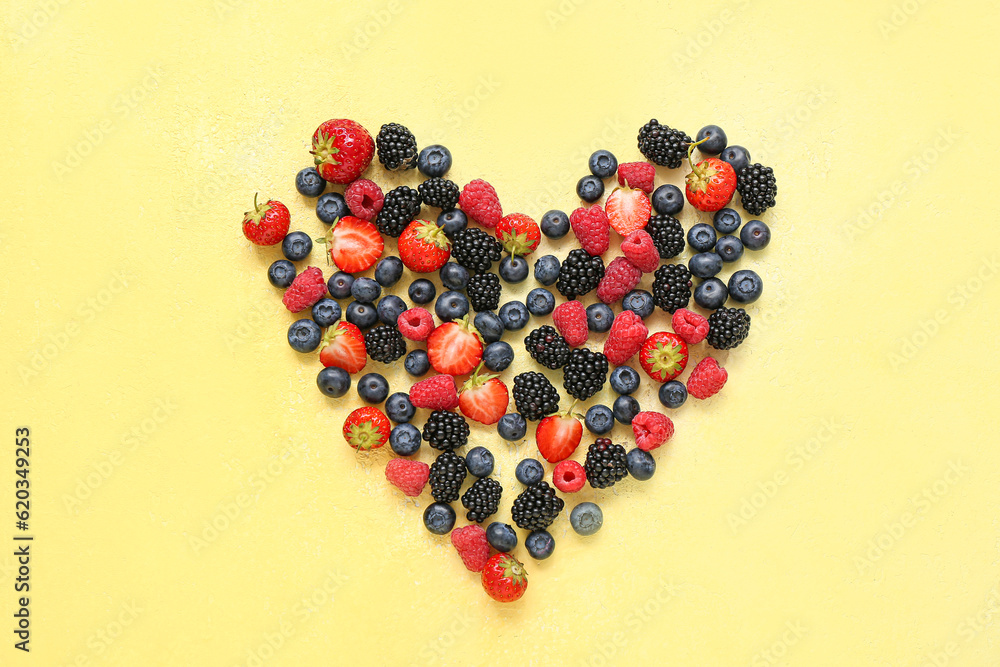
484, 398
558, 436
455, 348
628, 210
663, 356
344, 347
354, 244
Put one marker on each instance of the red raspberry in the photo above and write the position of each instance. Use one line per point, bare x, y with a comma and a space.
707, 378
569, 476
592, 229
570, 319
637, 175
480, 202
415, 324
364, 198
435, 393
410, 477
627, 335
689, 325
619, 279
472, 546
307, 288
651, 430
641, 251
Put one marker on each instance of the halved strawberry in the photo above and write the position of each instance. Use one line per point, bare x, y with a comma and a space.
455, 348
484, 398
423, 246
367, 428
663, 356
344, 347
354, 244
518, 233
628, 210
558, 436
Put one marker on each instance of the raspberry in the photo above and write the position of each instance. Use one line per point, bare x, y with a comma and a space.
639, 248
637, 175
706, 379
569, 476
627, 335
480, 202
651, 430
471, 544
689, 325
415, 324
435, 393
592, 229
307, 288
619, 279
570, 319
410, 477
364, 198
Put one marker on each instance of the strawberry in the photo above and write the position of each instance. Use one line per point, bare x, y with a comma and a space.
437, 392
366, 428
410, 477
627, 335
307, 288
558, 436
651, 429
342, 149
344, 347
570, 319
640, 249
569, 476
484, 398
619, 279
663, 356
480, 202
637, 175
504, 578
423, 247
592, 229
266, 224
364, 198
415, 324
472, 545
706, 379
518, 234
628, 210
711, 184
689, 325
354, 244
455, 348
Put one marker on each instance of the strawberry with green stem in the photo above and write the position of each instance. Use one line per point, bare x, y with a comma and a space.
558, 435
342, 149
484, 398
711, 183
267, 224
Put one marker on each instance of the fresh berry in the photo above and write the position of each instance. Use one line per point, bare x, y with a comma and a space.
736, 156
451, 306
641, 464
366, 290
421, 291
707, 379
599, 317
729, 248
344, 347
590, 189
570, 319
307, 288
757, 188
410, 477
627, 335
547, 269
439, 518
435, 393
586, 518
281, 273
484, 291
501, 536
397, 147
364, 198
480, 202
711, 184
498, 356
627, 210
539, 544
267, 223
529, 472
745, 286
569, 476
536, 507
482, 500
755, 235
388, 271
555, 224
705, 265
518, 234
309, 183
439, 193
447, 474
547, 347
513, 269
625, 380
434, 161
579, 274
592, 229
557, 437
340, 285
638, 175
711, 140
331, 207
667, 200
711, 294
672, 287
663, 145
452, 222
504, 578
484, 399
599, 419
603, 164
400, 207
641, 250
424, 247
651, 430
689, 325
585, 373
304, 335
389, 308
455, 348
362, 315
454, 276
398, 408
342, 149
512, 427
417, 363
540, 301
605, 464
480, 462
625, 408
489, 326
405, 440
373, 388
354, 244
384, 343
640, 302
663, 356
619, 279
471, 544
366, 428
701, 237
673, 394
296, 246
534, 395
727, 328
726, 220
667, 236
333, 382
475, 249
513, 315
446, 430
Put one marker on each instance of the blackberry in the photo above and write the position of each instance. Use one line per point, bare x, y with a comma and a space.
579, 274
534, 395
446, 430
482, 499
536, 507
384, 343
397, 147
584, 373
727, 328
400, 207
757, 188
475, 249
547, 347
663, 145
446, 477
439, 193
484, 291
668, 235
672, 287
606, 463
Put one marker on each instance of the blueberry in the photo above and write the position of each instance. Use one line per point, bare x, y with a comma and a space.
704, 264
603, 164
434, 160
726, 220
333, 381
388, 271
745, 286
540, 544
339, 285
451, 305
326, 312
673, 394
501, 537
405, 439
479, 461
389, 308
641, 465
737, 157
373, 388
514, 315
398, 408
625, 409
421, 291
599, 419
361, 315
365, 290
309, 183
498, 356
755, 235
513, 269
716, 140
590, 188
296, 246
586, 518
540, 302
729, 248
547, 269
555, 224
701, 237
439, 518
489, 326
711, 294
452, 222
304, 335
640, 302
281, 273
529, 471
512, 426
454, 276
624, 380
668, 200
417, 363
600, 317
331, 207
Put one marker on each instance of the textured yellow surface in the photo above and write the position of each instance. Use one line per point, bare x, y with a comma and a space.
194, 503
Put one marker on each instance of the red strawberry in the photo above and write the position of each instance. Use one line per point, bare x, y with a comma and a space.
711, 184
344, 347
689, 325
471, 544
663, 356
518, 233
570, 319
307, 288
619, 279
558, 436
266, 224
415, 324
569, 476
637, 175
342, 149
627, 335
410, 477
364, 198
480, 202
437, 392
592, 229
423, 246
484, 398
366, 428
455, 347
354, 244
706, 379
641, 251
628, 210
651, 430
504, 578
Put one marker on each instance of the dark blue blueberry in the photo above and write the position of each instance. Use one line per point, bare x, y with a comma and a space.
333, 381
547, 269
715, 140
365, 290
398, 408
489, 326
586, 518
514, 315
540, 302
729, 248
737, 157
501, 537
480, 462
388, 271
640, 302
421, 291
555, 224
454, 276
529, 471
326, 312
452, 222
701, 237
361, 315
405, 439
540, 544
281, 273
339, 285
641, 465
512, 427
624, 380
451, 306
331, 207
309, 183
625, 409
513, 269
599, 419
304, 335
755, 235
704, 264
711, 294
434, 160
726, 220
373, 388
417, 363
439, 518
603, 164
668, 200
498, 356
296, 246
600, 317
673, 394
745, 286
389, 308
590, 188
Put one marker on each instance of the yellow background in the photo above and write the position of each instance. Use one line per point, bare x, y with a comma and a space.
836, 504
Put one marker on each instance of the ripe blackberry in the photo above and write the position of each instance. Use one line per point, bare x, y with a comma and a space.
475, 249
400, 207
757, 188
397, 147
663, 145
534, 396
440, 193
547, 347
482, 499
584, 373
384, 343
446, 430
536, 507
727, 328
446, 477
484, 291
579, 274
668, 235
672, 287
605, 464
